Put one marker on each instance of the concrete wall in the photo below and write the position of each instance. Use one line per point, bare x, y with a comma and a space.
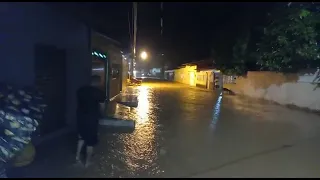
23, 24
182, 75
202, 78
280, 88
205, 79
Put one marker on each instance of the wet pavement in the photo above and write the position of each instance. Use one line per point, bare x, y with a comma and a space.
188, 132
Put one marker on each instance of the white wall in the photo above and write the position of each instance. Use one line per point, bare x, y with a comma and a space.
274, 87
202, 78
182, 75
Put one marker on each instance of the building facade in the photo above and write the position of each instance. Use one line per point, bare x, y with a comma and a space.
109, 64
200, 74
43, 48
186, 74
54, 52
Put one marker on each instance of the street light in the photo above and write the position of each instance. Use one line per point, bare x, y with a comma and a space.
144, 55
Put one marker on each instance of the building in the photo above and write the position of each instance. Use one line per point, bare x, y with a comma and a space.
169, 75
199, 73
186, 74
45, 48
109, 63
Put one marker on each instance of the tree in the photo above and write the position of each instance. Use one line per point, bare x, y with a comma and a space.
230, 54
290, 40
236, 53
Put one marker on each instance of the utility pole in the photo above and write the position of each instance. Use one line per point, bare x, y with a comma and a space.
134, 49
161, 18
162, 59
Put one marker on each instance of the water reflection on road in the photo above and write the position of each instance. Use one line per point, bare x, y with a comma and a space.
139, 148
182, 131
137, 151
144, 105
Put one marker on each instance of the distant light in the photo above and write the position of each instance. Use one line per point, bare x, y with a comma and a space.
98, 54
162, 54
98, 69
144, 55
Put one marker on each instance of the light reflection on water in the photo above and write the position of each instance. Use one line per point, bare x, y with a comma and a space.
216, 112
143, 107
139, 147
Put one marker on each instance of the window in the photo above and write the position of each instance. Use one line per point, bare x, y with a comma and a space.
97, 69
115, 71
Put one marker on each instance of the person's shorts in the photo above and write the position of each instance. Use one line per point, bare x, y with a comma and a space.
89, 139
87, 128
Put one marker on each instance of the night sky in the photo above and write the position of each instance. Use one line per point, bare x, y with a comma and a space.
190, 29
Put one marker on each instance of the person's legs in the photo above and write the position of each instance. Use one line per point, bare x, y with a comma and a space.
79, 148
88, 155
91, 141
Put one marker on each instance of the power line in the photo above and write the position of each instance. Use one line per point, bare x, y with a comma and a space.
135, 15
130, 29
161, 18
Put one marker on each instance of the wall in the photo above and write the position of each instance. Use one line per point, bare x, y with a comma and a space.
125, 70
205, 79
292, 89
24, 24
202, 78
182, 75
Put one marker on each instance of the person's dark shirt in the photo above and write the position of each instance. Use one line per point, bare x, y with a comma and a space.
89, 98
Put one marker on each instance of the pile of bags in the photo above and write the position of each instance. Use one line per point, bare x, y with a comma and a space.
20, 111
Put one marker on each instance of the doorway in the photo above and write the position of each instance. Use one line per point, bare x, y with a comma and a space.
50, 79
207, 80
191, 78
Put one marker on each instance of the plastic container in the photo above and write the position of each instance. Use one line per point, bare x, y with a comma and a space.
20, 111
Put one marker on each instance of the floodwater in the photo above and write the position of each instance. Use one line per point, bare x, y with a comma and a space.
188, 132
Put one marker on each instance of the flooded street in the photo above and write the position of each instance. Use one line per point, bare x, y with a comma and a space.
187, 132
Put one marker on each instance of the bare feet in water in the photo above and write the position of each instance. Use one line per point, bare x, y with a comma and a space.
78, 163
87, 164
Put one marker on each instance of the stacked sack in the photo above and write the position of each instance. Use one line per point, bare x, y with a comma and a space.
20, 111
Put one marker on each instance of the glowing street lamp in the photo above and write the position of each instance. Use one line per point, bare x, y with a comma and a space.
144, 55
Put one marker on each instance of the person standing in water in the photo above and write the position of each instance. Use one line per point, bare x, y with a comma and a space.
90, 99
